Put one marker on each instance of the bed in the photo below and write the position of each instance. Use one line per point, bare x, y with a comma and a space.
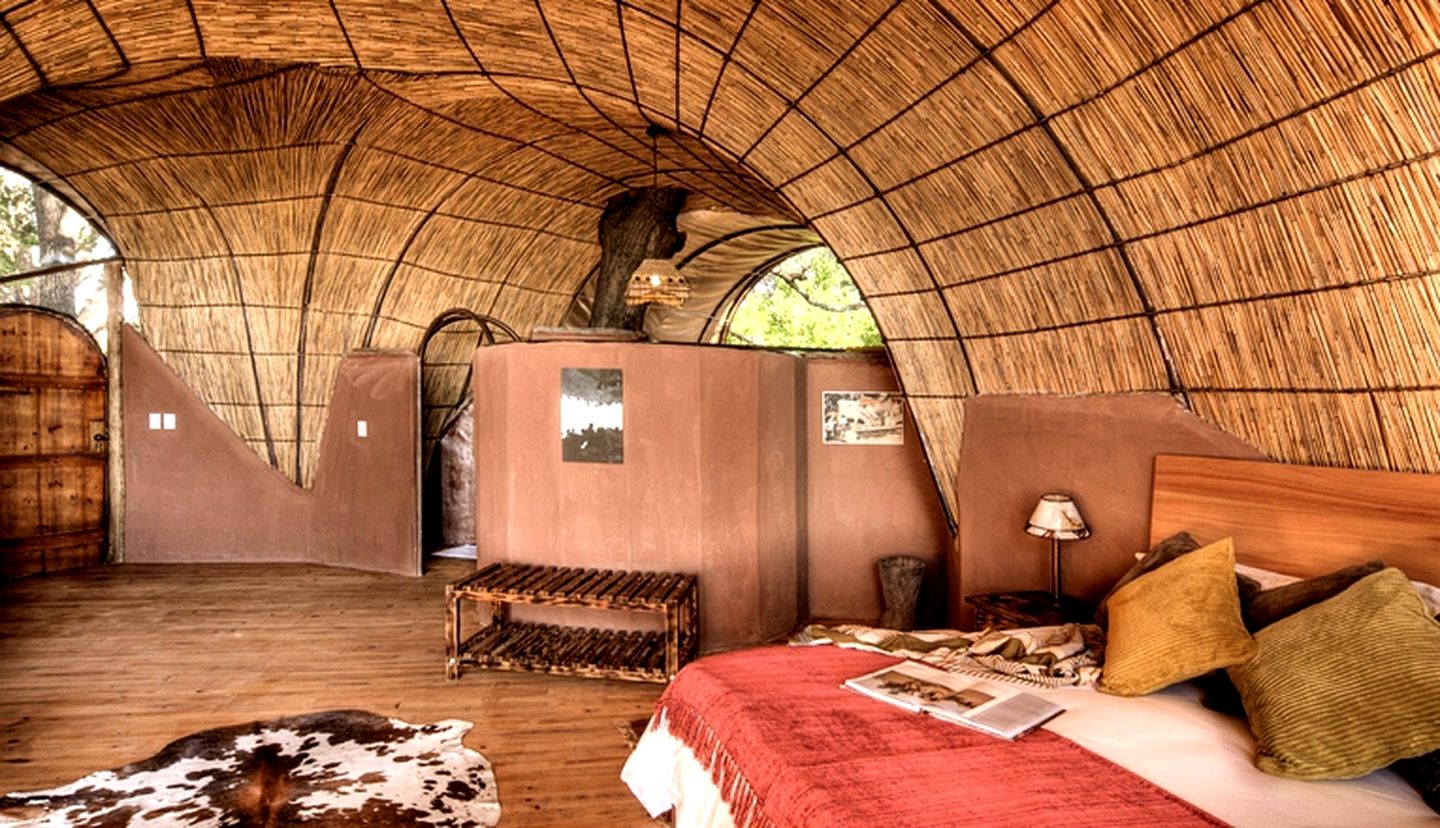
768, 737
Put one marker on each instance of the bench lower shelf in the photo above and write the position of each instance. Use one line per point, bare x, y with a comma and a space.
576, 651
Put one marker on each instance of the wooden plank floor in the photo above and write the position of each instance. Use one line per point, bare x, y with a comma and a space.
103, 666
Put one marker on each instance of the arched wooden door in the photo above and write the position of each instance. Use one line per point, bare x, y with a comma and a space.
52, 443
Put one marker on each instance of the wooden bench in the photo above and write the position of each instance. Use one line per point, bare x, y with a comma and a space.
634, 655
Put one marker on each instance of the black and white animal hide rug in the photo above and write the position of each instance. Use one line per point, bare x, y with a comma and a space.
338, 768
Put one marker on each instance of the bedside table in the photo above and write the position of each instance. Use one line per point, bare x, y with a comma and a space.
1033, 608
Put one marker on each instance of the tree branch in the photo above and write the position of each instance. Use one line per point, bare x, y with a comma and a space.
794, 283
732, 334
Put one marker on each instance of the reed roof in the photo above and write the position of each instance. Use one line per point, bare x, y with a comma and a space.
1234, 202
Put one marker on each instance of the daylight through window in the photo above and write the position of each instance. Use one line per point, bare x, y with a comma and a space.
807, 301
38, 232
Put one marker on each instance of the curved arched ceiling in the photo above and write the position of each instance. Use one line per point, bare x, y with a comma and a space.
1236, 203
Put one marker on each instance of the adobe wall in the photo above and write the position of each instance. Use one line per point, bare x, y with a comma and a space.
707, 485
198, 494
1100, 450
866, 502
724, 475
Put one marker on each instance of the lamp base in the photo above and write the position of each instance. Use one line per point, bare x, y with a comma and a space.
1055, 569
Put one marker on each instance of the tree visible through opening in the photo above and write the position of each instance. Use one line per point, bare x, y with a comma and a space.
807, 301
39, 231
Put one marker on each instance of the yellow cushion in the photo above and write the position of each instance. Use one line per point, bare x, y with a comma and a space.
1346, 686
1176, 622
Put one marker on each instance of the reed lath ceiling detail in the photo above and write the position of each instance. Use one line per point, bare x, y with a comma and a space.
1235, 203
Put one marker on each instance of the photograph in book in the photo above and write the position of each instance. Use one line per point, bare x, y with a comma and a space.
984, 705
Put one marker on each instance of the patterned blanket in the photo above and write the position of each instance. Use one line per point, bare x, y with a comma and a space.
1068, 655
786, 745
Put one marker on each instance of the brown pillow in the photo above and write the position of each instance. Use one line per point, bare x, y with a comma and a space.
1218, 693
1176, 623
1249, 588
1346, 686
1424, 773
1269, 606
1160, 554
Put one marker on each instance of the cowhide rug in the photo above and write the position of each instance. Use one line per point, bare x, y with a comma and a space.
341, 767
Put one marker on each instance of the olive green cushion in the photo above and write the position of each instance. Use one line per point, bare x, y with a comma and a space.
1175, 623
1346, 686
1261, 608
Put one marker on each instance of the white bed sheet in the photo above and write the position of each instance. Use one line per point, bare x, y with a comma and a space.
1169, 738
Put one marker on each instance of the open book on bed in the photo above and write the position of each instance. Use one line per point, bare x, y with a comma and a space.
983, 705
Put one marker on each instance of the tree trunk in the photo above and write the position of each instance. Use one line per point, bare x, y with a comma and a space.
55, 246
636, 225
56, 291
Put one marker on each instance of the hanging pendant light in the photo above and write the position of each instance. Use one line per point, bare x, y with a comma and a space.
656, 281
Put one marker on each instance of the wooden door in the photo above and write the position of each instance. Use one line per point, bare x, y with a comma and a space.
52, 443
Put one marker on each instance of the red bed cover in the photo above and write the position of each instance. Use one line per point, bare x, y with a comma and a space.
789, 747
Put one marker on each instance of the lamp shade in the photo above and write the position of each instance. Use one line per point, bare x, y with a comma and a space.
1057, 516
657, 281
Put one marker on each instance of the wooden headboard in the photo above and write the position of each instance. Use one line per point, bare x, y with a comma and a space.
1302, 520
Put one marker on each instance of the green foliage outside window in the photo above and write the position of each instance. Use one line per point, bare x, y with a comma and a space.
807, 301
18, 236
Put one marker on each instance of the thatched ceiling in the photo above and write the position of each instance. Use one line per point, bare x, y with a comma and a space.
1236, 203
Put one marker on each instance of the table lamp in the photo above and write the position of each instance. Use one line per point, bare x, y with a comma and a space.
1058, 518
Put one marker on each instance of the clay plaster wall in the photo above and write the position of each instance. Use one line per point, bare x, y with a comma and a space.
708, 483
1100, 450
198, 494
865, 502
724, 475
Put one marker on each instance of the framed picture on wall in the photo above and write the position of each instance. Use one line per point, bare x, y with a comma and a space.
592, 415
862, 418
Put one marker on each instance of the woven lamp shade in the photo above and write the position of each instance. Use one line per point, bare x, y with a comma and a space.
657, 281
